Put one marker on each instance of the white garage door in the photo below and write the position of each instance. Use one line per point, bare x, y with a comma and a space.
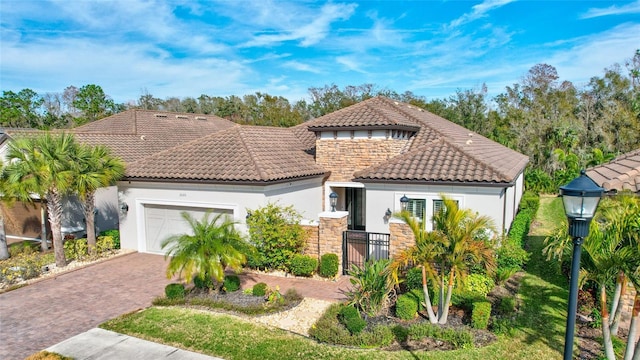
162, 221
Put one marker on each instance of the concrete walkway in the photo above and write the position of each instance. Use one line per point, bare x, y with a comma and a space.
48, 312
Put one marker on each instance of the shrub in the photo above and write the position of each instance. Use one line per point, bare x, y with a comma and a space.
479, 284
371, 287
46, 355
414, 278
329, 264
507, 305
276, 233
511, 257
418, 296
174, 291
200, 283
350, 317
401, 333
115, 234
457, 338
303, 265
76, 249
530, 201
503, 274
259, 289
480, 315
231, 283
105, 244
406, 307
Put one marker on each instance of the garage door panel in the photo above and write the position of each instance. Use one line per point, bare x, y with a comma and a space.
163, 221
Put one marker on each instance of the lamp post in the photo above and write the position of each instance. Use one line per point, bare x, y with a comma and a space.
580, 198
333, 201
404, 202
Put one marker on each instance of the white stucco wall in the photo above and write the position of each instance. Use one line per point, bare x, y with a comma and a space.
303, 195
488, 201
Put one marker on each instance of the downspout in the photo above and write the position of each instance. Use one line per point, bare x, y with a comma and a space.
504, 210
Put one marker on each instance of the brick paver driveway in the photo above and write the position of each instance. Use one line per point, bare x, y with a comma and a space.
37, 316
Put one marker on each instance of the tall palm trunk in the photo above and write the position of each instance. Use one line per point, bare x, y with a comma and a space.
4, 249
606, 330
616, 305
427, 299
633, 332
54, 207
88, 206
445, 307
43, 227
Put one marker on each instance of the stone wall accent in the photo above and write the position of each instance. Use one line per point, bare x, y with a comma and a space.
344, 157
330, 234
401, 237
313, 243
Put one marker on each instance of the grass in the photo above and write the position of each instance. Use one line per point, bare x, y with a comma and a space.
538, 329
550, 216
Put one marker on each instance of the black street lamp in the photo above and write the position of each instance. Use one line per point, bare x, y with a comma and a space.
580, 198
404, 202
333, 201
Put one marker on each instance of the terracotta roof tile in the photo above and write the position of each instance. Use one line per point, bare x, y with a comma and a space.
238, 154
621, 173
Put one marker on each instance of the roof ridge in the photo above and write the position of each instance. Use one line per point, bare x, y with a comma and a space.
249, 151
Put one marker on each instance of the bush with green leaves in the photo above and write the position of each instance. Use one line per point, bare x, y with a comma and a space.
203, 283
24, 263
350, 317
329, 265
329, 329
479, 284
231, 283
413, 278
276, 233
406, 307
76, 249
303, 265
371, 287
174, 291
115, 234
506, 305
480, 314
530, 201
259, 289
511, 257
458, 338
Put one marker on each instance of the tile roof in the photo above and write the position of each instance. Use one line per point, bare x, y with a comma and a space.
621, 173
239, 154
440, 151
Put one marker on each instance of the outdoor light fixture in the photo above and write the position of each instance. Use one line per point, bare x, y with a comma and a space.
333, 201
580, 198
404, 202
387, 215
124, 208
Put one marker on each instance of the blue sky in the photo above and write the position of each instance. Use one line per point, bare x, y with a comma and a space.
221, 48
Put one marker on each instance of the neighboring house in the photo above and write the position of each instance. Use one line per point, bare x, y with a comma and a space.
619, 174
370, 154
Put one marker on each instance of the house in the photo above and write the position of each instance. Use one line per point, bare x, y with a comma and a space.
370, 155
619, 174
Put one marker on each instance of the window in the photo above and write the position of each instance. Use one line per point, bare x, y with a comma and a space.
438, 205
416, 207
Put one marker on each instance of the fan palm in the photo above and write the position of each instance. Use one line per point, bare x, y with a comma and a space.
44, 166
96, 169
213, 246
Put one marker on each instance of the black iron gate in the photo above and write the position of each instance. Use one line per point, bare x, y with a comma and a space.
359, 247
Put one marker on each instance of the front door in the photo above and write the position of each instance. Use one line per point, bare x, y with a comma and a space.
356, 207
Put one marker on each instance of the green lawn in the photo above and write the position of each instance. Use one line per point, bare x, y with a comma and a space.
538, 334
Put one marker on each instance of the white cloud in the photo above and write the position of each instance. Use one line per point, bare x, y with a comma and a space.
631, 8
299, 66
478, 11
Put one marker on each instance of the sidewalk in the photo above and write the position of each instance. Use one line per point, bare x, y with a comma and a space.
100, 344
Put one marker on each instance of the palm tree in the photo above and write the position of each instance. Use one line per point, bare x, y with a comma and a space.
96, 169
456, 244
425, 253
43, 165
214, 245
465, 235
4, 249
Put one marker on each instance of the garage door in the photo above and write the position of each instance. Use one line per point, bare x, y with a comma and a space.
162, 221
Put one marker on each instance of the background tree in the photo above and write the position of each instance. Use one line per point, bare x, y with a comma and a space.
213, 246
20, 109
43, 165
93, 103
96, 168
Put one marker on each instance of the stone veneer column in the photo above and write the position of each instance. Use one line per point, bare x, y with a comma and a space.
313, 243
400, 237
332, 225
